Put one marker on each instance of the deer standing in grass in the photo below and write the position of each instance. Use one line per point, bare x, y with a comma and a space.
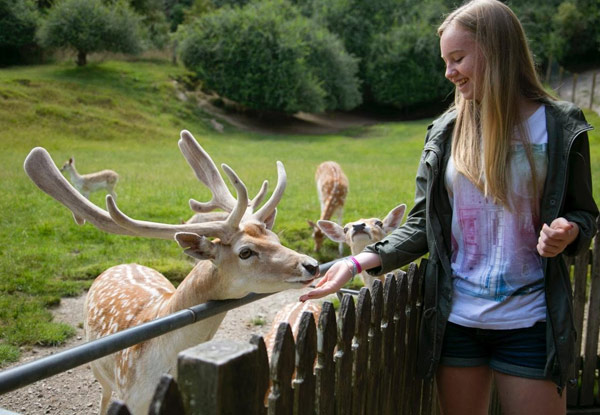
244, 256
91, 182
332, 188
358, 234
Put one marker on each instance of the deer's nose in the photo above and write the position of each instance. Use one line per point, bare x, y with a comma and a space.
359, 227
312, 269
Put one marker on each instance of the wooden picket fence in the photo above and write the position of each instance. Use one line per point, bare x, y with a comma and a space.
361, 361
358, 362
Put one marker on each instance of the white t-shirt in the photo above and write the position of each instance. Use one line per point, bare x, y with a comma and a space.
498, 279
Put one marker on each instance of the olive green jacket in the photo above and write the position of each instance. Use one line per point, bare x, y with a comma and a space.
567, 193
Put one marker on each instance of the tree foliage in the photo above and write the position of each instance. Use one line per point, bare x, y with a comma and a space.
88, 26
18, 23
267, 56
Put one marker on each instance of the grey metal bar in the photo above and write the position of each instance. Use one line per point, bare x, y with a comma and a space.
28, 373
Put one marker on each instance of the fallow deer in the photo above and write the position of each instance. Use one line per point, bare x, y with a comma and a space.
91, 182
291, 313
358, 234
244, 256
332, 188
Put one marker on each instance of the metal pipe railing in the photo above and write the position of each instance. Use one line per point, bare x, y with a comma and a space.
28, 373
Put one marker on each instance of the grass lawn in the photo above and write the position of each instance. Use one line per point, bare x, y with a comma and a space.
125, 116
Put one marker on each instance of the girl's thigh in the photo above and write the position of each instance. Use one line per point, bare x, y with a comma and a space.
464, 390
522, 396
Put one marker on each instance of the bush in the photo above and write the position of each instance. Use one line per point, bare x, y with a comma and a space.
18, 23
89, 26
404, 68
268, 57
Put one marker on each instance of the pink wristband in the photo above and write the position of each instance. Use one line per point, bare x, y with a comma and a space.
358, 267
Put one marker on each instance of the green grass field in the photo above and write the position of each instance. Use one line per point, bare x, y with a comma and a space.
125, 116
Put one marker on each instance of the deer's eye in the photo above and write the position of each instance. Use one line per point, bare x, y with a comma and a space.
346, 229
379, 223
246, 253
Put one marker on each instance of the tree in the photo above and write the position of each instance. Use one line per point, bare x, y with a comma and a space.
18, 23
90, 26
268, 57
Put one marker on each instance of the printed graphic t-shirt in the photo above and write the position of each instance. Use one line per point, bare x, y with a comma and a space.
497, 272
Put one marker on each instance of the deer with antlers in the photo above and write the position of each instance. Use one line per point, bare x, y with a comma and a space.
244, 256
332, 188
362, 232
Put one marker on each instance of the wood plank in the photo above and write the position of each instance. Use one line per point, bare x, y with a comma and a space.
343, 356
117, 407
400, 353
414, 290
388, 339
262, 374
580, 274
588, 376
213, 378
306, 354
282, 368
374, 358
167, 398
325, 368
360, 353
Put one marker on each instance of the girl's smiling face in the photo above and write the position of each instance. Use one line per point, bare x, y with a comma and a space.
464, 60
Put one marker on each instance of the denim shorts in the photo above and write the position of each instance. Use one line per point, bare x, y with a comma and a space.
516, 352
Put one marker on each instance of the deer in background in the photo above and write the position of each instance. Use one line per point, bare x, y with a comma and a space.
332, 187
88, 183
358, 234
244, 256
91, 182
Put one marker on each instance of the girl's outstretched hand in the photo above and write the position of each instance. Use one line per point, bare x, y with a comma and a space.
340, 273
556, 237
334, 279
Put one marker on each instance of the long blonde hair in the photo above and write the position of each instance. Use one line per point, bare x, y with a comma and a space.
484, 128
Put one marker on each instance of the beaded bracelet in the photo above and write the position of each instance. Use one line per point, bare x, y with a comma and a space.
350, 266
356, 265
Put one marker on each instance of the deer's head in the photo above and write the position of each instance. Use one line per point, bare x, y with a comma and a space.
358, 234
239, 244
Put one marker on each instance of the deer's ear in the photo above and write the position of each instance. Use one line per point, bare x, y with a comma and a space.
196, 246
270, 220
394, 218
333, 231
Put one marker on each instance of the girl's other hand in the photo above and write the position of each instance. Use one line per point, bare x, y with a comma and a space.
556, 237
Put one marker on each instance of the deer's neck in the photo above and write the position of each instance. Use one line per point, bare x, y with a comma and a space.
75, 176
202, 284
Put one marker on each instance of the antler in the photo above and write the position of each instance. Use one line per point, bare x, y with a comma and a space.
44, 173
221, 229
206, 171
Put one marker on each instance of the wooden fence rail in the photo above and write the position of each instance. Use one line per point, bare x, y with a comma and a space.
360, 361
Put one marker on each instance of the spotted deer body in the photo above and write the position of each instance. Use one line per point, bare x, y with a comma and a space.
243, 256
291, 314
362, 232
332, 189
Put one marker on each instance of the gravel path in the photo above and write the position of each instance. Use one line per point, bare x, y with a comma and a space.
76, 392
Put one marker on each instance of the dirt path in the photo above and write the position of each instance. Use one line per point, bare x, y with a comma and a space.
76, 392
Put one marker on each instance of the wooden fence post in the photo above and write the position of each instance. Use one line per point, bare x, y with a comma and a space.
593, 91
218, 378
574, 88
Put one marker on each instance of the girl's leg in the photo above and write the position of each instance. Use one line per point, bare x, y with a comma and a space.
464, 390
522, 396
